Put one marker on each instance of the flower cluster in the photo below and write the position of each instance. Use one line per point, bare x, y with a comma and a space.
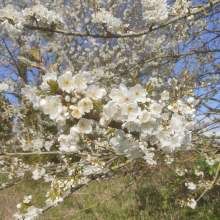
180, 172
43, 16
105, 17
191, 203
36, 144
155, 11
14, 21
191, 186
28, 211
76, 102
30, 93
198, 172
157, 122
38, 173
4, 87
169, 159
180, 7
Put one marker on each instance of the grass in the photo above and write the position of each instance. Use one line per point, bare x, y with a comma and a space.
159, 202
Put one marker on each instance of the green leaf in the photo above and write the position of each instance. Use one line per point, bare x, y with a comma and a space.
53, 85
149, 88
200, 160
52, 69
35, 53
211, 172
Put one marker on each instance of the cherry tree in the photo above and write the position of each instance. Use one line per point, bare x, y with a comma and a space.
113, 82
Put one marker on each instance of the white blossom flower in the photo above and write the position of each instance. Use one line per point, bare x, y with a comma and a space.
77, 112
116, 95
165, 95
139, 93
84, 126
199, 173
185, 109
38, 173
74, 135
48, 145
190, 100
191, 186
130, 109
32, 213
144, 116
29, 92
127, 98
64, 142
122, 96
66, 82
27, 199
191, 203
85, 104
109, 110
46, 78
179, 172
210, 161
53, 106
165, 116
175, 108
80, 81
155, 108
74, 131
95, 92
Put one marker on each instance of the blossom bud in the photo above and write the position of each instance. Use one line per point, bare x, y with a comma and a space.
71, 107
67, 98
148, 99
74, 148
19, 205
73, 99
64, 109
66, 115
169, 107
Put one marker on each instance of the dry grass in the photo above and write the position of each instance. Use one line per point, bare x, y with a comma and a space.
159, 190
